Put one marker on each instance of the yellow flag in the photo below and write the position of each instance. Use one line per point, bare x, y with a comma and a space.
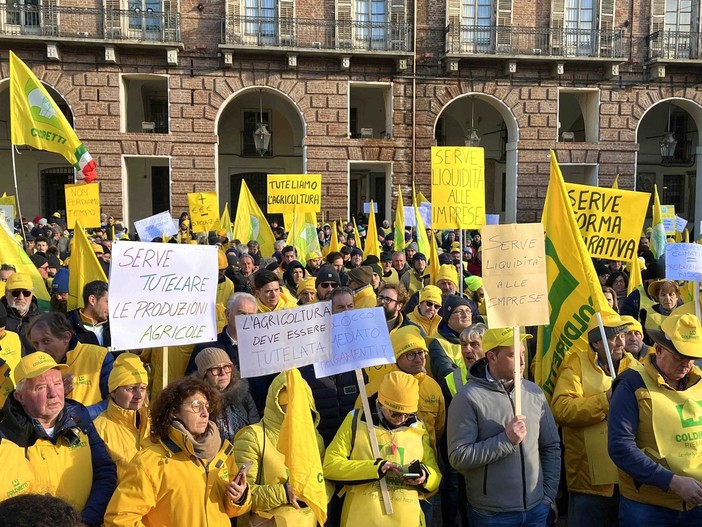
372, 246
12, 253
9, 200
225, 222
303, 234
37, 121
634, 276
615, 183
422, 199
658, 235
250, 223
297, 443
83, 268
333, 243
399, 227
434, 265
422, 239
575, 293
357, 235
686, 235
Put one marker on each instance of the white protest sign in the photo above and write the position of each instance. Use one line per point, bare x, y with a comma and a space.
360, 339
280, 340
366, 207
683, 261
155, 226
410, 219
162, 294
492, 219
6, 212
680, 223
425, 213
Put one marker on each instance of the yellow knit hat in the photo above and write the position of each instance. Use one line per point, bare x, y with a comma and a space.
632, 323
399, 392
222, 262
305, 284
406, 339
431, 293
448, 272
128, 369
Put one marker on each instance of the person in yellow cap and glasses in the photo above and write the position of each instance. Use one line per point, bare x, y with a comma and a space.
655, 429
634, 339
67, 455
306, 291
511, 463
426, 314
125, 425
407, 461
580, 405
20, 305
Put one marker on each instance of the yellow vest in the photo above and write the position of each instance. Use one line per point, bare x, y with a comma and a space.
17, 476
456, 379
224, 291
11, 353
85, 363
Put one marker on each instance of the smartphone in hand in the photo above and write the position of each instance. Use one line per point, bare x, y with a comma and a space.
243, 469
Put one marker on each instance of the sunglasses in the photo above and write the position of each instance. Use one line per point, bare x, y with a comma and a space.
432, 304
327, 285
18, 292
399, 415
220, 370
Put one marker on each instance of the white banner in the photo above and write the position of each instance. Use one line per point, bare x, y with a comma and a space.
280, 340
360, 339
425, 213
156, 226
683, 261
680, 223
410, 219
162, 294
366, 207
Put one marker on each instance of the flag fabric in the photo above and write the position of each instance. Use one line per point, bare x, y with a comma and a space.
658, 236
37, 121
225, 222
83, 268
333, 243
422, 199
372, 246
615, 183
575, 293
250, 223
422, 239
399, 226
303, 234
357, 235
434, 265
297, 443
12, 253
634, 276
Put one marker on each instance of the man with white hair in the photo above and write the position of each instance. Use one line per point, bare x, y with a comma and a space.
21, 306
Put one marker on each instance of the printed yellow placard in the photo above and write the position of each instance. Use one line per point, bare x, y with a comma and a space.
9, 200
287, 191
610, 220
457, 187
83, 205
204, 213
668, 216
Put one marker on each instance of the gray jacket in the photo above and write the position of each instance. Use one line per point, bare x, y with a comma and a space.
499, 476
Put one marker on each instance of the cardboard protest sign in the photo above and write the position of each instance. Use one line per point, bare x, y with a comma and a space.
683, 261
83, 204
680, 223
514, 275
457, 187
610, 220
410, 219
204, 214
161, 224
9, 200
289, 192
668, 215
360, 339
280, 340
162, 294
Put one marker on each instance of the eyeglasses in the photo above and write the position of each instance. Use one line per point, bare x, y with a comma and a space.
221, 370
399, 415
462, 313
197, 406
386, 299
16, 293
327, 285
432, 304
411, 355
680, 359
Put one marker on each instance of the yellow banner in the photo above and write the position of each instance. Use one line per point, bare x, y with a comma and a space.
288, 191
610, 220
9, 200
83, 205
457, 187
204, 212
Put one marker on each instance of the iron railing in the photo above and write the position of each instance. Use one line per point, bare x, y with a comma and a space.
50, 20
518, 40
306, 33
673, 45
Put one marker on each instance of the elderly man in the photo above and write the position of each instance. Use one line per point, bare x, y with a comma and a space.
91, 324
580, 406
633, 341
654, 430
399, 263
66, 453
511, 463
242, 280
21, 306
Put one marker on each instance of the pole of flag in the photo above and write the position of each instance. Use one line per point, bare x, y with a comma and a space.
612, 373
17, 198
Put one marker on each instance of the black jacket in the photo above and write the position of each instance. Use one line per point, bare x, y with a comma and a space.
19, 323
86, 336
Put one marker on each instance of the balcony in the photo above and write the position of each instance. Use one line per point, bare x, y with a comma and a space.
312, 36
674, 46
89, 25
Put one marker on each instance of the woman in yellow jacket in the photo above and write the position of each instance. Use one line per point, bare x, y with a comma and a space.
271, 496
187, 476
404, 450
125, 425
426, 314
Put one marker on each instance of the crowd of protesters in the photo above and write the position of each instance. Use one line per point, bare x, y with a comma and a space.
97, 430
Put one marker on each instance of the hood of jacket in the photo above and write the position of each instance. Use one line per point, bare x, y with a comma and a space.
273, 414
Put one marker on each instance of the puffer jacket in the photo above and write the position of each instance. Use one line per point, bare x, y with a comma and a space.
427, 326
17, 476
167, 485
365, 297
268, 474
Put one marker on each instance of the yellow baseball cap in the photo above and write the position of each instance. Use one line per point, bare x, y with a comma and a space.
407, 338
632, 324
680, 333
494, 338
34, 365
448, 272
399, 392
19, 281
431, 293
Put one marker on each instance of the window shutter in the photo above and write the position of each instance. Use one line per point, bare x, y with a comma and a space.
286, 20
504, 24
453, 21
49, 17
344, 22
113, 19
399, 34
170, 20
234, 21
606, 27
657, 16
557, 26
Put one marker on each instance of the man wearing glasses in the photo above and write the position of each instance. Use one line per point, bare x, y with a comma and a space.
326, 281
655, 429
21, 306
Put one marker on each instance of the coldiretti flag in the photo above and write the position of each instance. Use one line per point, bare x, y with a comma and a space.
303, 234
37, 121
250, 223
422, 239
333, 243
83, 268
658, 235
371, 246
12, 253
574, 293
297, 443
225, 222
399, 226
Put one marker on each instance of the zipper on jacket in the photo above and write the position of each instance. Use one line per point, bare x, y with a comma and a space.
521, 450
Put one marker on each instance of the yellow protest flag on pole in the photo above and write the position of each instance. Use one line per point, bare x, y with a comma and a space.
250, 223
422, 199
686, 235
634, 276
303, 234
658, 235
372, 246
83, 268
422, 239
9, 200
357, 235
297, 443
615, 183
575, 293
225, 222
37, 121
12, 253
434, 265
334, 242
399, 226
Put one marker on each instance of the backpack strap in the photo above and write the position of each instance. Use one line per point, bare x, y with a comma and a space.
354, 429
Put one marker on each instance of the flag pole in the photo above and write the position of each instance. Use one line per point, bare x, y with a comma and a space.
17, 198
612, 373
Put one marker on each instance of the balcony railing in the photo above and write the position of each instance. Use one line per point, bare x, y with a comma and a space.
673, 45
515, 40
305, 33
76, 23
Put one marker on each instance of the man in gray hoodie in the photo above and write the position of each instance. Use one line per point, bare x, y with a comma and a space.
511, 463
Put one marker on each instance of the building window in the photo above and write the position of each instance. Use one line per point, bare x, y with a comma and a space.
260, 17
145, 106
579, 18
371, 17
23, 13
578, 115
477, 22
370, 110
251, 120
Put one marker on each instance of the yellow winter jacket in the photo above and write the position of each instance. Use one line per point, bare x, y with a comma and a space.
124, 432
267, 476
224, 291
17, 477
365, 297
429, 326
10, 353
166, 485
580, 407
88, 365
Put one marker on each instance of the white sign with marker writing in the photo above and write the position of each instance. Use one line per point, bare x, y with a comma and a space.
155, 226
683, 261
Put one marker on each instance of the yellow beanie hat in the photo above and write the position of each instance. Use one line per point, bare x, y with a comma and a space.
406, 339
128, 369
399, 392
305, 284
448, 272
222, 262
431, 293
